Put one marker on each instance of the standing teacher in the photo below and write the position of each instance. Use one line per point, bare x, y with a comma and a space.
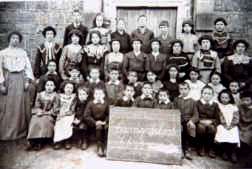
15, 81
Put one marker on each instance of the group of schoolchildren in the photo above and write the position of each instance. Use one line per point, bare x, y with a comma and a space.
206, 78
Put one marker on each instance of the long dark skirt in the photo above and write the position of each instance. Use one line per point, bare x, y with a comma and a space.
15, 106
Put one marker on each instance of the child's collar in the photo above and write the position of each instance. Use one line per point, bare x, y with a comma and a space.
92, 81
125, 98
204, 102
146, 96
52, 73
117, 82
165, 102
99, 101
186, 97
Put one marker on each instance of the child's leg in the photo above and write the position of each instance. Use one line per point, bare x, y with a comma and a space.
185, 142
233, 152
211, 131
100, 140
68, 144
201, 132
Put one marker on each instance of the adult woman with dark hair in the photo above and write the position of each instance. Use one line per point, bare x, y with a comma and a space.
47, 51
179, 58
238, 66
15, 80
71, 55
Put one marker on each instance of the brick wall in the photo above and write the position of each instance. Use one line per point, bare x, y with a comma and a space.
31, 17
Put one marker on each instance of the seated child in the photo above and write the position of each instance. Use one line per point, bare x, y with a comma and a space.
189, 116
51, 73
94, 80
80, 127
195, 84
163, 101
156, 84
63, 129
42, 122
127, 98
215, 83
208, 120
146, 99
132, 79
76, 77
97, 115
114, 86
234, 87
227, 131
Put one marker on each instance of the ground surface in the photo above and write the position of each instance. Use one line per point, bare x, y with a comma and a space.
13, 156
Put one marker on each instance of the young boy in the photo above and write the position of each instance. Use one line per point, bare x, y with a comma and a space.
146, 99
163, 101
127, 98
94, 80
189, 116
234, 88
208, 120
143, 33
97, 116
132, 79
76, 77
156, 84
50, 74
114, 86
164, 37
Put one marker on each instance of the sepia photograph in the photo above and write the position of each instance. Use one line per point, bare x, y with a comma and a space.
125, 84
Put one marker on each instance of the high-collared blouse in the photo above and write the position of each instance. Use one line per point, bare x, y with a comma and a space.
15, 60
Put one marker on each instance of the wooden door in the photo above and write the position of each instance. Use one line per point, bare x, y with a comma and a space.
154, 17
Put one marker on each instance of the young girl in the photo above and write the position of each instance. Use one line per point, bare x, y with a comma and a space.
127, 98
215, 83
97, 116
114, 59
179, 58
205, 59
63, 128
163, 101
93, 53
208, 120
173, 80
147, 98
156, 84
189, 39
227, 131
42, 122
195, 84
79, 124
71, 56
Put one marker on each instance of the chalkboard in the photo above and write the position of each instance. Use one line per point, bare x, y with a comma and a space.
144, 135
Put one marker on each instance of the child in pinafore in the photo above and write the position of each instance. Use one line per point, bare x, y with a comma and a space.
205, 59
127, 97
208, 120
63, 129
97, 116
163, 100
147, 98
79, 124
114, 86
41, 126
195, 84
189, 117
227, 131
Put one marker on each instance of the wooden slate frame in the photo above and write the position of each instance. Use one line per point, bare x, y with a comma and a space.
144, 135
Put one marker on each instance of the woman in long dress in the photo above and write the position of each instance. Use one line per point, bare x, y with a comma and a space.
15, 80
